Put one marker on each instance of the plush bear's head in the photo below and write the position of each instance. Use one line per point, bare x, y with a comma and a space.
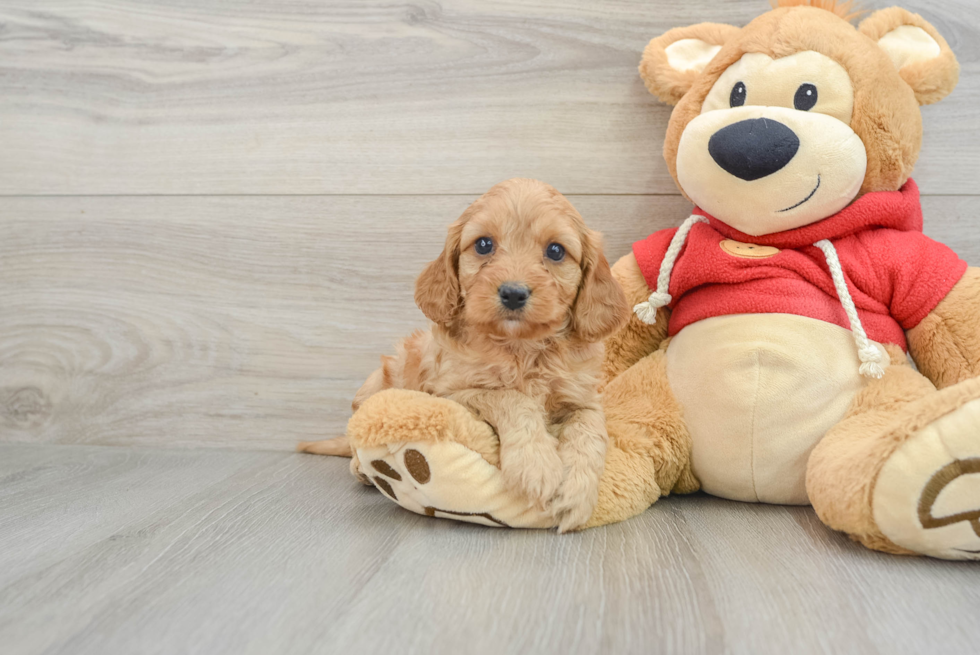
786, 121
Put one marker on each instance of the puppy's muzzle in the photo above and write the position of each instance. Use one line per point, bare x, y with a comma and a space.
512, 295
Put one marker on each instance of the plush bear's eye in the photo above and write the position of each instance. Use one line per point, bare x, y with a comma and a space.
483, 245
555, 252
737, 98
805, 98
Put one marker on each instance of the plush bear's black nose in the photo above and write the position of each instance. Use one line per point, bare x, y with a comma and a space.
753, 148
513, 296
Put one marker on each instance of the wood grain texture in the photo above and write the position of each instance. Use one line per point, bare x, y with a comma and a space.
119, 550
237, 322
302, 96
248, 322
244, 315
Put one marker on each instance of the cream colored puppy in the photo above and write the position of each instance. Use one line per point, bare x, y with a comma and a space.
520, 300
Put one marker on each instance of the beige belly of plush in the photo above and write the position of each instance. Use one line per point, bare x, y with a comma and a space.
758, 392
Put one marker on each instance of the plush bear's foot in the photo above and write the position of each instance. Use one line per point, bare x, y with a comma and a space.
448, 480
434, 457
927, 495
901, 472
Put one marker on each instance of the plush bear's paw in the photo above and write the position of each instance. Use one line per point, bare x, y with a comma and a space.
447, 480
927, 495
355, 470
534, 469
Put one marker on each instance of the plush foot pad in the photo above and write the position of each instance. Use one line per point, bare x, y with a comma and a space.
927, 496
448, 480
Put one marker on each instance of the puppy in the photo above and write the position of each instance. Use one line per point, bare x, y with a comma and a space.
520, 300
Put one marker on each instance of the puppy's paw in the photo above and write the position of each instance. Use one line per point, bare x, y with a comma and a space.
576, 500
534, 469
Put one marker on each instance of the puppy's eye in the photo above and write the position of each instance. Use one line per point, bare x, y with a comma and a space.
737, 98
555, 252
805, 98
484, 245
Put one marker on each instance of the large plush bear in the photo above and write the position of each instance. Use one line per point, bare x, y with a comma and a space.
770, 358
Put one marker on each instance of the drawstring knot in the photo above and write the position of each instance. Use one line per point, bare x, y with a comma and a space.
647, 311
871, 366
868, 353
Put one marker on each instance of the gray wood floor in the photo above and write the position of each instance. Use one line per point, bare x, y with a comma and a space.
211, 216
133, 550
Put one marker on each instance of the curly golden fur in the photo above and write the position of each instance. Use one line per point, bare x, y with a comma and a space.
532, 373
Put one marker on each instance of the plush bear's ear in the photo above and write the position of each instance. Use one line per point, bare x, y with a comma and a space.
671, 62
921, 55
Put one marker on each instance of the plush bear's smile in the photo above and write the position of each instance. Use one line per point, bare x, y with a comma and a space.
772, 147
805, 199
766, 169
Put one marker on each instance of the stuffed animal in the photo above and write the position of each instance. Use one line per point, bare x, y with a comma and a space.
797, 340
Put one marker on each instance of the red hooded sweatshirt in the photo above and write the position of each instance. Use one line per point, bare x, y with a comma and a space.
896, 274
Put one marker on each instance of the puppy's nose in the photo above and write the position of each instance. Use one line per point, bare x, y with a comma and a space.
753, 148
513, 296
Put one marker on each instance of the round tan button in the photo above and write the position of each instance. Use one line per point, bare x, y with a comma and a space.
748, 250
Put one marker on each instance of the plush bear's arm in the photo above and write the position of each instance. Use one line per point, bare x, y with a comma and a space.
946, 344
637, 339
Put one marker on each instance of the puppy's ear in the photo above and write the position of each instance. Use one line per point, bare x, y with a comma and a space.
601, 307
921, 55
672, 61
437, 287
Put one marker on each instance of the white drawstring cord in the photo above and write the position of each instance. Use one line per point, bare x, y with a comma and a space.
868, 353
647, 311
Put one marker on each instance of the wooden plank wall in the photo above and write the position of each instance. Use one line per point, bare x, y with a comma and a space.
212, 211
